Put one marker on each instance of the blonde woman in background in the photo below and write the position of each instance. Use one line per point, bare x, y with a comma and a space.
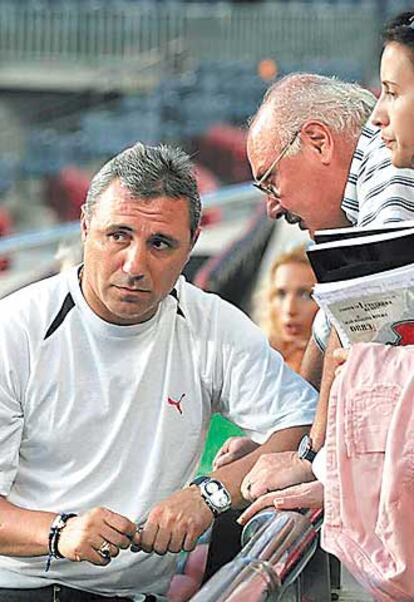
285, 308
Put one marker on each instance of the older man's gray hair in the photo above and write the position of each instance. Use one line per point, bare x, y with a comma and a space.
148, 172
344, 107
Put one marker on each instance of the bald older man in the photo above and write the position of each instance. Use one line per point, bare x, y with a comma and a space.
320, 168
300, 147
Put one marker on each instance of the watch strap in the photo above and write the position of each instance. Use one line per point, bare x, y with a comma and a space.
199, 480
58, 523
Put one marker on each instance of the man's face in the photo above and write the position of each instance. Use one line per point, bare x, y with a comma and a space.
395, 108
134, 251
303, 192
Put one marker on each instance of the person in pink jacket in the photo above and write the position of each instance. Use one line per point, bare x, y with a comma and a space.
369, 489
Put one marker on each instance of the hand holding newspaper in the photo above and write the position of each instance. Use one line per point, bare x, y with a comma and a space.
377, 305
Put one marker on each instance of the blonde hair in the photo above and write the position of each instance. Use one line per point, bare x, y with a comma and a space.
263, 313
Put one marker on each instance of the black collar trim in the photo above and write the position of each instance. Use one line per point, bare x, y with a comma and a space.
67, 305
179, 310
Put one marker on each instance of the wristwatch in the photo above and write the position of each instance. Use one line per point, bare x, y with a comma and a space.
305, 451
213, 492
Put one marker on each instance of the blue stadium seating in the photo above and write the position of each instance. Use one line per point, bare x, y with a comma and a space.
178, 110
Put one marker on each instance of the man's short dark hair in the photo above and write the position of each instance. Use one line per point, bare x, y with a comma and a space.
149, 172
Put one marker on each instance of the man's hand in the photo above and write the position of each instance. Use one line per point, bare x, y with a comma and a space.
275, 471
305, 495
84, 535
233, 449
175, 524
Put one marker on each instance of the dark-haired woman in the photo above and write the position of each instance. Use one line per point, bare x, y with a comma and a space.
394, 112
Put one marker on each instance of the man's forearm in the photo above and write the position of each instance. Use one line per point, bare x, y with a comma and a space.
318, 429
23, 532
233, 474
312, 365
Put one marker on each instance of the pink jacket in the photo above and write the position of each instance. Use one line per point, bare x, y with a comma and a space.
369, 494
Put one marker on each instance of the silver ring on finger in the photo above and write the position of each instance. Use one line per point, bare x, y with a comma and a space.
139, 529
104, 550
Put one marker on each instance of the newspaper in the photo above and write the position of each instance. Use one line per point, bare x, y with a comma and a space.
378, 307
350, 258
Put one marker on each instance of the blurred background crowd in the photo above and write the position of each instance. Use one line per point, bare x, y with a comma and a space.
80, 80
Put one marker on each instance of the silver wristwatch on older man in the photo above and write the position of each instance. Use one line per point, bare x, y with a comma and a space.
305, 450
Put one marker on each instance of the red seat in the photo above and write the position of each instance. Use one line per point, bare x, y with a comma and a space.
5, 229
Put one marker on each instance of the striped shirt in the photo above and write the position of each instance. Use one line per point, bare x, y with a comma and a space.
377, 193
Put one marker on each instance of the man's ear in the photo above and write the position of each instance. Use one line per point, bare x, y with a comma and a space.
319, 139
84, 224
195, 237
192, 243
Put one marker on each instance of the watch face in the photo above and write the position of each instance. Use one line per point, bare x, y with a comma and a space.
212, 487
305, 451
304, 446
217, 495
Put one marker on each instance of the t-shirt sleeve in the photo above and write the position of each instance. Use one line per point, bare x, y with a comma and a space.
254, 388
13, 367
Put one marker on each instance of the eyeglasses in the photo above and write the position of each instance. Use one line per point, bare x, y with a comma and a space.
270, 189
409, 24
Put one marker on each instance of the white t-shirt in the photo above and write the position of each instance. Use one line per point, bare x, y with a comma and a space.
89, 414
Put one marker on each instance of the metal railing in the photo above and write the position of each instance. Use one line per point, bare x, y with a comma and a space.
34, 254
277, 548
78, 32
293, 33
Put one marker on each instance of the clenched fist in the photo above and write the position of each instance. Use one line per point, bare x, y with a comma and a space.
96, 536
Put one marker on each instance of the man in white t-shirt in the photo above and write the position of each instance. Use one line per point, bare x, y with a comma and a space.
109, 373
